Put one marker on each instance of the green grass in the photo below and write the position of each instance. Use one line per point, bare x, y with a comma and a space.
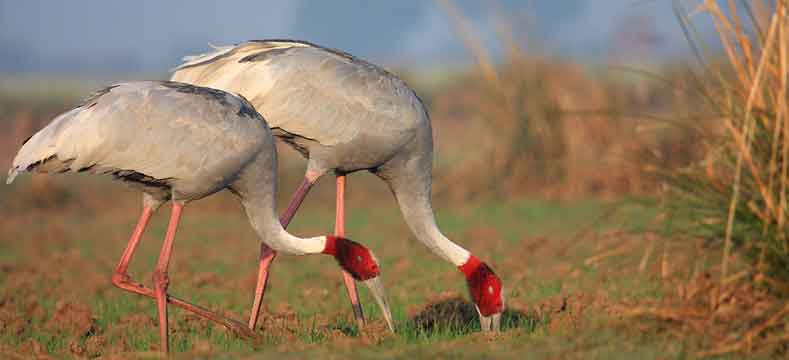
214, 265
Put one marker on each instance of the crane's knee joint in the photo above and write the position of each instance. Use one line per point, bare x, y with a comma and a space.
119, 279
161, 280
266, 252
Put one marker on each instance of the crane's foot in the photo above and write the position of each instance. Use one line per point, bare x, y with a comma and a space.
121, 279
124, 282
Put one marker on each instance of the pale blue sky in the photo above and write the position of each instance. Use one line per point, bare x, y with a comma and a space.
95, 36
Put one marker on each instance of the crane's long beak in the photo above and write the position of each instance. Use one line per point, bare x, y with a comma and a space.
489, 323
376, 287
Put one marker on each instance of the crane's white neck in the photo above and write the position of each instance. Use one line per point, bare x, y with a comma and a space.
426, 230
263, 219
414, 200
256, 188
286, 243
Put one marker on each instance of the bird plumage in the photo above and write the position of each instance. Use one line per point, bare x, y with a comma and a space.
344, 114
315, 97
179, 142
168, 139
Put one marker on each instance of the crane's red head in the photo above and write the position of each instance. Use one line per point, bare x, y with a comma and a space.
353, 257
484, 286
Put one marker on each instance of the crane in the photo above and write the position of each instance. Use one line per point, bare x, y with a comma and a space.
344, 114
179, 143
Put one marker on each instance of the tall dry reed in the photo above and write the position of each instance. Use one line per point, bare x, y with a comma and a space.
737, 196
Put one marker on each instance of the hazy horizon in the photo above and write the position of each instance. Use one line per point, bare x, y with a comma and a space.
95, 36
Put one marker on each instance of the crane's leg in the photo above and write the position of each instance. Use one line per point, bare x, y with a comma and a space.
296, 200
339, 230
160, 278
122, 280
121, 277
267, 255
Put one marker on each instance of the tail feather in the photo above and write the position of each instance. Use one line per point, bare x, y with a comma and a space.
12, 173
40, 151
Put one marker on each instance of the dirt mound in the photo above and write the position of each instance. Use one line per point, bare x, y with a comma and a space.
73, 319
447, 311
34, 349
567, 312
13, 322
450, 311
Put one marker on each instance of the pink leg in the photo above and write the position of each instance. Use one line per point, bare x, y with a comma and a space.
339, 230
121, 274
160, 278
267, 255
295, 201
122, 280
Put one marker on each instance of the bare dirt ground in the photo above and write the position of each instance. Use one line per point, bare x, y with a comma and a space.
580, 283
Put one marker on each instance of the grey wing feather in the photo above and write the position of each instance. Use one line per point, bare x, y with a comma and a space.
42, 146
316, 93
88, 136
146, 128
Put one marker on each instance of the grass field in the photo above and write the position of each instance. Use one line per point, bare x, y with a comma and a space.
565, 192
571, 271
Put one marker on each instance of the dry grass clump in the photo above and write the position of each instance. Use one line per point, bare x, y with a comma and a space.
735, 317
737, 195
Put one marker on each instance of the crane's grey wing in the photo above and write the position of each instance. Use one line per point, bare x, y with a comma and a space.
154, 130
225, 68
313, 92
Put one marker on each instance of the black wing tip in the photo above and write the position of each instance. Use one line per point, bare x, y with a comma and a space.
263, 55
140, 178
283, 40
26, 140
337, 52
93, 99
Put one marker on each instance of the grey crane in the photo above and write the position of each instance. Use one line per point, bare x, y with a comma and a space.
344, 114
179, 143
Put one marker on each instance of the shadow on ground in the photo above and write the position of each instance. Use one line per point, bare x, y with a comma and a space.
459, 316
